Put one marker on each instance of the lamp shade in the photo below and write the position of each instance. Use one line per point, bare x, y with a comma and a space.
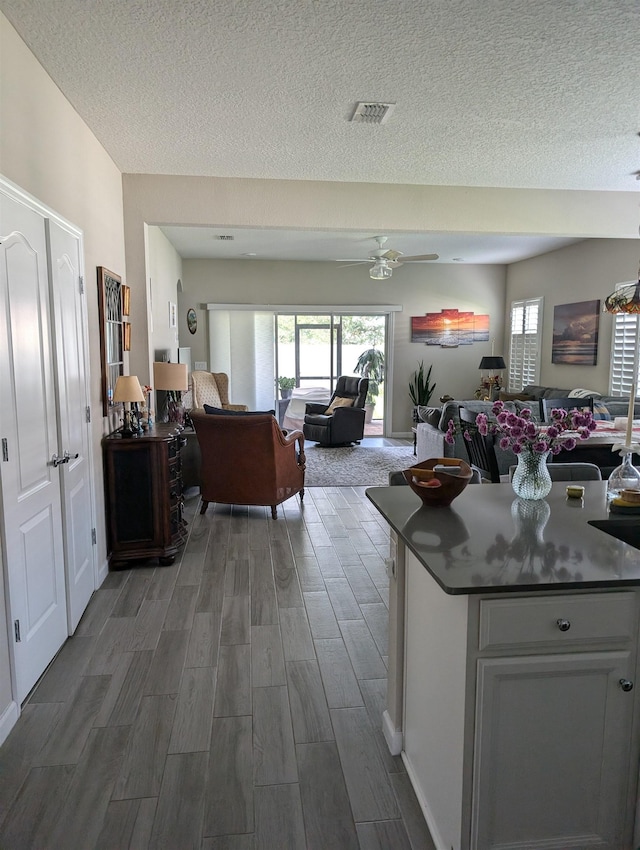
171, 376
625, 299
128, 388
492, 364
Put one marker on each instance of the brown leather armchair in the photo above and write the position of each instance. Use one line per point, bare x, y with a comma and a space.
248, 460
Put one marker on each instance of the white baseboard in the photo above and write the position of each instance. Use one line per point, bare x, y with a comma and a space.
392, 734
8, 720
426, 811
103, 572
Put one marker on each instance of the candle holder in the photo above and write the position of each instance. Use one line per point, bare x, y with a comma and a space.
624, 477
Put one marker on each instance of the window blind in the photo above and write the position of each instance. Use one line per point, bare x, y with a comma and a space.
525, 342
623, 344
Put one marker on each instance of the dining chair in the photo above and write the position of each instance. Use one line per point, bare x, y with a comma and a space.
480, 449
548, 404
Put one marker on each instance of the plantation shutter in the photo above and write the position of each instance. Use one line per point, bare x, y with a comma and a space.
622, 352
524, 343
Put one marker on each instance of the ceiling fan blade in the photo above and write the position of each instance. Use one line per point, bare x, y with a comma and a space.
392, 256
350, 263
419, 258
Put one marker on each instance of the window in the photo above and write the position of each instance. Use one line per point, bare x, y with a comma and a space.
623, 347
525, 342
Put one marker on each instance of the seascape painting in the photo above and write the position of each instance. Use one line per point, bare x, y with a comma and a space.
575, 333
450, 328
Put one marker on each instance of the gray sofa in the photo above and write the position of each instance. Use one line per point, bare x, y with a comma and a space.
430, 440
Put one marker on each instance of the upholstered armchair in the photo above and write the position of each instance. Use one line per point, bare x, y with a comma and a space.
342, 421
248, 460
211, 388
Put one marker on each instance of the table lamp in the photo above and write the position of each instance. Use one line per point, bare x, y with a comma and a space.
493, 366
128, 390
626, 299
174, 379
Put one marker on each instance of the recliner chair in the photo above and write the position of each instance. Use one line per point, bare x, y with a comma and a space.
342, 422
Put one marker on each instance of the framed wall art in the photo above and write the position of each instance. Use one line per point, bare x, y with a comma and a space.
173, 315
575, 333
111, 335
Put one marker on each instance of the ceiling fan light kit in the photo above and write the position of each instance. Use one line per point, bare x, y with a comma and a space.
380, 270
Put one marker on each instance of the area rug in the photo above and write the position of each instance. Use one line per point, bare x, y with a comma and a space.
358, 466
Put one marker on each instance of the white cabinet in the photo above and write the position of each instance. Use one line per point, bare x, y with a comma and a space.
518, 722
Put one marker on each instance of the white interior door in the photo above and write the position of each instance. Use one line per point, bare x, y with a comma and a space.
31, 498
68, 302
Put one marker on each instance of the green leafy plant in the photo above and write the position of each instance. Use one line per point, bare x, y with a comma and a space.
420, 388
286, 383
371, 365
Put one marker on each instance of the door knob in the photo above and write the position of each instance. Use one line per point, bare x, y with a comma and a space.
56, 460
68, 456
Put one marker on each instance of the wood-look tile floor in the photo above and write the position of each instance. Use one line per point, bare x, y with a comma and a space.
231, 701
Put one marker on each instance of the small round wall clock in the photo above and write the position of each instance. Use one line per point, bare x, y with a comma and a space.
192, 320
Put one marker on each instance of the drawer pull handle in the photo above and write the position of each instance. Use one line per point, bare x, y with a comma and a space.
564, 625
626, 685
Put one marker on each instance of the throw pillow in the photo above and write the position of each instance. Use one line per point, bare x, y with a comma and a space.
220, 411
338, 402
430, 415
601, 411
580, 393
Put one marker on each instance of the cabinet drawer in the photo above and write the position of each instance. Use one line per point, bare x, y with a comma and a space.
556, 621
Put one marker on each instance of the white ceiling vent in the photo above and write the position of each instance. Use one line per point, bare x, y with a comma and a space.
225, 237
372, 113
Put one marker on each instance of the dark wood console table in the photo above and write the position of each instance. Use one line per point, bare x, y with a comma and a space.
143, 490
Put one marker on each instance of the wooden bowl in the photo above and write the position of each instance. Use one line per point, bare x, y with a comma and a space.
438, 487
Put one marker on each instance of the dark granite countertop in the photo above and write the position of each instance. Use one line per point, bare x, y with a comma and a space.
488, 540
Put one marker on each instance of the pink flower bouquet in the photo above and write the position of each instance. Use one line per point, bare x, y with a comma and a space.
519, 432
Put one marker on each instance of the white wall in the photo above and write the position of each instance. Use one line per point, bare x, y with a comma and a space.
47, 150
164, 267
419, 289
589, 270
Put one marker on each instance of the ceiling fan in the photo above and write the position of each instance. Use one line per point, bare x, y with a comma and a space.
384, 262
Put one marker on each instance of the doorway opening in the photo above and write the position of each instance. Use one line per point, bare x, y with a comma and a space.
316, 349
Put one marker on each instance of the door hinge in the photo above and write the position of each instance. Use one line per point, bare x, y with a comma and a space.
94, 538
16, 629
81, 284
5, 450
87, 414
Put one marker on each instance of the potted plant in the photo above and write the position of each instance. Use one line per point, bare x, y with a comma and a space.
420, 388
371, 365
286, 386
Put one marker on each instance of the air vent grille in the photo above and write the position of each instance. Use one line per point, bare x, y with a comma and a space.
225, 237
372, 113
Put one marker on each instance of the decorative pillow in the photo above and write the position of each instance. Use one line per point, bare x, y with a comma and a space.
430, 415
580, 393
519, 396
338, 402
601, 411
221, 411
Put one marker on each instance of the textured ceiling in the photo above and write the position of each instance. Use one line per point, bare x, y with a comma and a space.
488, 92
506, 93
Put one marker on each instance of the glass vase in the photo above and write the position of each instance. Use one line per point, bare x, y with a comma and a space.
623, 477
531, 479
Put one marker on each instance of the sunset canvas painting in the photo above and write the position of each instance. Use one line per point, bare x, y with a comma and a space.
450, 328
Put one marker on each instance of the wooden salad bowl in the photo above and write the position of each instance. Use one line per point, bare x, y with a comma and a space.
435, 485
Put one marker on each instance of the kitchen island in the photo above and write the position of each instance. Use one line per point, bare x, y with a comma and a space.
512, 660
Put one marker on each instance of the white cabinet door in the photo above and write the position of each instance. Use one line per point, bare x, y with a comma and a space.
73, 400
551, 760
30, 484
